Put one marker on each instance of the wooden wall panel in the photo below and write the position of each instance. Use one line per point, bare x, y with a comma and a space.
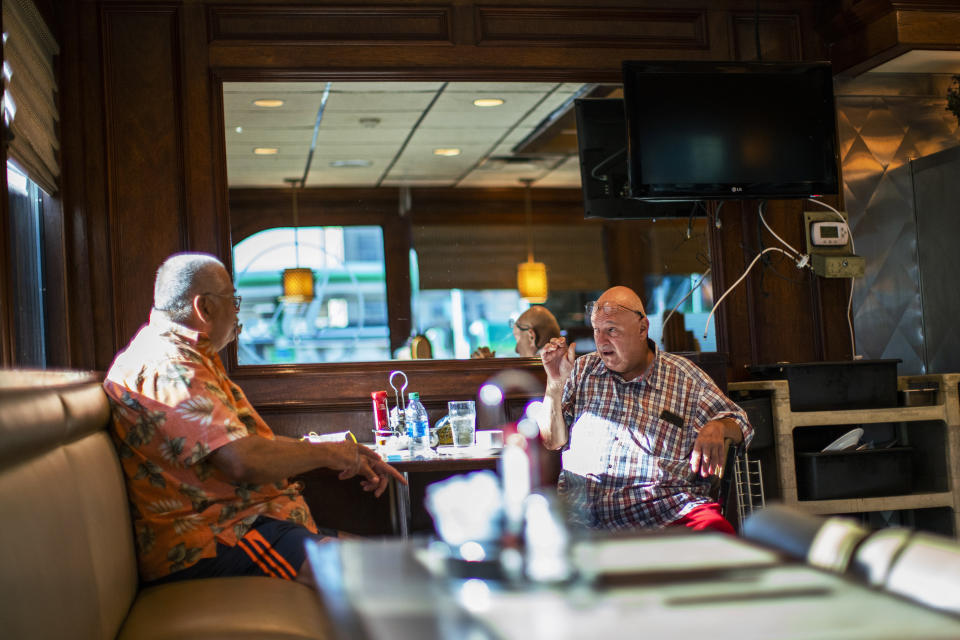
592, 27
331, 24
347, 387
55, 277
780, 37
778, 313
204, 163
144, 153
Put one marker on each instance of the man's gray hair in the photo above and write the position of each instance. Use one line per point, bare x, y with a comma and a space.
179, 279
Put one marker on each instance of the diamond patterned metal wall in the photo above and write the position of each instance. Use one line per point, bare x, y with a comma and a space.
882, 127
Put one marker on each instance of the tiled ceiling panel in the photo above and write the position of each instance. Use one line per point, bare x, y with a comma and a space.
394, 128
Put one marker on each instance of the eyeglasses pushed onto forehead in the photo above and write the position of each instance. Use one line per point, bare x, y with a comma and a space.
519, 325
608, 308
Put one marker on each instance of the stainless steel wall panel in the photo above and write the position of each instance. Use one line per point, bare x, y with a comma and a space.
883, 124
936, 180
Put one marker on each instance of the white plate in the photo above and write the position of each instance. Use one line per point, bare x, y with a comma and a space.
467, 452
848, 440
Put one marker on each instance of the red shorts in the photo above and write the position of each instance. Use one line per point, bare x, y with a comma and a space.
705, 517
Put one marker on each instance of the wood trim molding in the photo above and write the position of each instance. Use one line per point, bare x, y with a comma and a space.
223, 70
364, 25
862, 37
593, 27
347, 386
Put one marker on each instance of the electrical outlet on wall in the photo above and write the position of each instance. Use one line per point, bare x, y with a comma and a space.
829, 246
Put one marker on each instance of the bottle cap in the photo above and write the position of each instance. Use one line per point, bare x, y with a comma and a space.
413, 395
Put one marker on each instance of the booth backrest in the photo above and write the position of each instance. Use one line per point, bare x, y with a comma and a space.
69, 567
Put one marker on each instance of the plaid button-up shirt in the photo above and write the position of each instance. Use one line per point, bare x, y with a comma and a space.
625, 466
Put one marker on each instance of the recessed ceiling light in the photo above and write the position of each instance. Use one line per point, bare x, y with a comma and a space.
265, 151
270, 103
488, 102
343, 164
448, 152
239, 129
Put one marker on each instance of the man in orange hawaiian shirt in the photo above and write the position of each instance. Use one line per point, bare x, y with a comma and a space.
206, 476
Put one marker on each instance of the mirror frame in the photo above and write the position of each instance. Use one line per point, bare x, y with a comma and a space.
351, 380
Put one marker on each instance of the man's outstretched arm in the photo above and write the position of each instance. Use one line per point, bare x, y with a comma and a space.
259, 460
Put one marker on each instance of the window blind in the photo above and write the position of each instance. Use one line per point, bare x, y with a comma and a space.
30, 90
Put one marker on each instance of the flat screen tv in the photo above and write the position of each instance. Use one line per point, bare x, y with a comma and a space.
714, 130
602, 144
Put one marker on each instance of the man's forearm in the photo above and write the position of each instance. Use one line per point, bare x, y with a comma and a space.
259, 460
553, 428
731, 429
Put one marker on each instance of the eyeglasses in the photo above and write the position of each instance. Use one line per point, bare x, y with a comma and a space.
608, 308
236, 299
523, 327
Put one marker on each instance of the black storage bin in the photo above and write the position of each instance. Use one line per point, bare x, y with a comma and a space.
854, 474
826, 386
761, 419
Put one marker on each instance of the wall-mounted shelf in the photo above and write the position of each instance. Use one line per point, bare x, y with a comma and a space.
944, 412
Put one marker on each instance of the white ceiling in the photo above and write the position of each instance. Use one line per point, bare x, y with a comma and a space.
395, 126
921, 61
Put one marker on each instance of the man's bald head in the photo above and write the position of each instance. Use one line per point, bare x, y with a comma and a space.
623, 296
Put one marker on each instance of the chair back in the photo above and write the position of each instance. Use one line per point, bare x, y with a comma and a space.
927, 570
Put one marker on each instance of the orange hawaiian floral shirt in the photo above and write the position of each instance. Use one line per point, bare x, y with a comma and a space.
173, 405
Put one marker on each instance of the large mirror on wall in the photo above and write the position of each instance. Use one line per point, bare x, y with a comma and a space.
377, 221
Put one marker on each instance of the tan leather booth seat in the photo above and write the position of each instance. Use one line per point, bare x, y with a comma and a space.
66, 540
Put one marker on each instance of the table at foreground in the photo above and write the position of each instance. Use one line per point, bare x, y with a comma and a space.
654, 586
406, 502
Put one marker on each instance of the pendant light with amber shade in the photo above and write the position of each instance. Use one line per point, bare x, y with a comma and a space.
531, 275
297, 281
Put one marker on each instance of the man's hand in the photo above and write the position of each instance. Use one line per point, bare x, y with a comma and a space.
353, 459
558, 360
708, 457
483, 352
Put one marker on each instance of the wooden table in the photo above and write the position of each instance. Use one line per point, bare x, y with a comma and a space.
685, 585
406, 501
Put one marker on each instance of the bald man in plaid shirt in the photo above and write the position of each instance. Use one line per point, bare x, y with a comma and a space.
641, 430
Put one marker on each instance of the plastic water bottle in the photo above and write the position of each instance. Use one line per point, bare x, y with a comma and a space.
418, 426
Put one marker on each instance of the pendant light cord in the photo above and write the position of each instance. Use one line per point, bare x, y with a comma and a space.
529, 217
296, 221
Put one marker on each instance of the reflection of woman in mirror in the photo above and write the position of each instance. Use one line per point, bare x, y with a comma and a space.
533, 329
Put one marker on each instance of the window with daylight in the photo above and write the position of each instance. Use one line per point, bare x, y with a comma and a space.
346, 320
26, 264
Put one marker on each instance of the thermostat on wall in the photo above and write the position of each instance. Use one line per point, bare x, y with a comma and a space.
829, 233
